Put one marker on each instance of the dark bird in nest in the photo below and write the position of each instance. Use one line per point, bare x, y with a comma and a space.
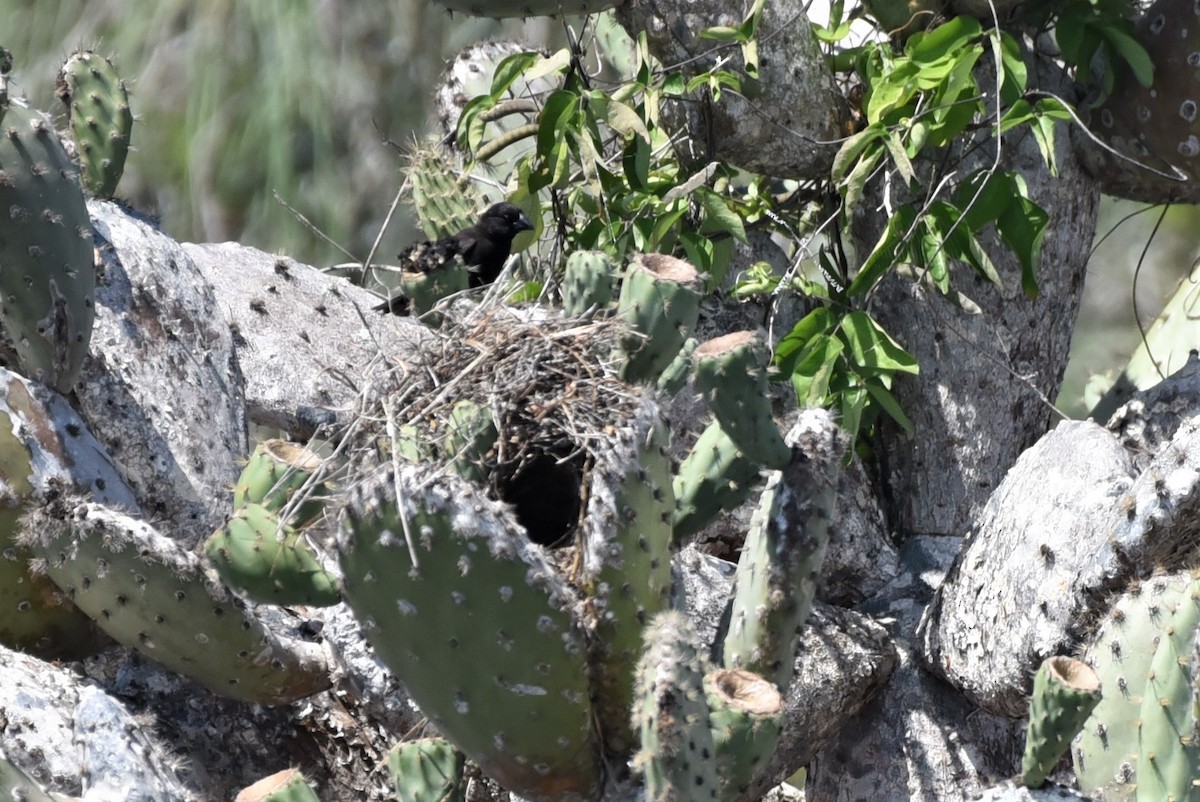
484, 248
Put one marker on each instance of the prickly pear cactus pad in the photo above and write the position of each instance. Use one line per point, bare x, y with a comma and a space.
1140, 737
147, 593
48, 281
44, 444
627, 559
99, 118
443, 204
477, 623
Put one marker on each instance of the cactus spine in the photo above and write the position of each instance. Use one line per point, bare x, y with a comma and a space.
1065, 691
99, 117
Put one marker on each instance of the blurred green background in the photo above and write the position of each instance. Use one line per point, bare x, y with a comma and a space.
240, 100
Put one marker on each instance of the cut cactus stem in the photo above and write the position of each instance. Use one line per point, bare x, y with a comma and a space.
288, 785
269, 562
777, 574
1065, 691
731, 374
660, 302
274, 474
587, 285
746, 718
678, 756
427, 770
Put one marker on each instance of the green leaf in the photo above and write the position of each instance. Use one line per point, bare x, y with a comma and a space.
847, 156
721, 33
816, 370
674, 84
820, 321
636, 163
527, 292
1043, 134
854, 400
719, 216
664, 225
1018, 113
548, 65
872, 350
892, 93
886, 253
1022, 227
900, 158
558, 112
853, 186
1016, 74
620, 116
750, 58
1131, 50
931, 46
983, 197
509, 70
884, 398
931, 245
471, 129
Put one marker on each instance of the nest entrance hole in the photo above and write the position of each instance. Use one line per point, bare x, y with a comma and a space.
545, 492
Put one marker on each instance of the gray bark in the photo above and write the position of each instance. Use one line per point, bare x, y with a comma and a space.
983, 395
789, 125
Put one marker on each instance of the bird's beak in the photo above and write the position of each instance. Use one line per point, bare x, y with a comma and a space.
523, 223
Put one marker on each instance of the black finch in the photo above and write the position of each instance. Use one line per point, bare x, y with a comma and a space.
484, 248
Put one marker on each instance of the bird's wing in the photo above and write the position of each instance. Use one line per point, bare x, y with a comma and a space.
426, 257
